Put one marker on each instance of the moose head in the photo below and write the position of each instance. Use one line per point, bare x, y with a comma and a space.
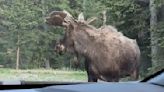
65, 19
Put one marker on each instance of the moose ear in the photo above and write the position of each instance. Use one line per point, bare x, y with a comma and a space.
81, 17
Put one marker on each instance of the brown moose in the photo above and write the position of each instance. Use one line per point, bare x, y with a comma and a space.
109, 54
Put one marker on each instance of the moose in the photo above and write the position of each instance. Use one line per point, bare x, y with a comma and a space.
109, 55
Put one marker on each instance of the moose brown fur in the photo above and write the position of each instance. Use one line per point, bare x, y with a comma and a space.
109, 54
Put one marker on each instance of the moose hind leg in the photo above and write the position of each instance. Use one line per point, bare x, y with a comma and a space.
135, 74
112, 79
111, 76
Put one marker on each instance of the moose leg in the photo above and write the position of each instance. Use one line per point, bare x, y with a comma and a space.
112, 76
115, 79
112, 79
135, 74
91, 76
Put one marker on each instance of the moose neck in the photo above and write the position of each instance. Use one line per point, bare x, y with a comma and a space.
84, 36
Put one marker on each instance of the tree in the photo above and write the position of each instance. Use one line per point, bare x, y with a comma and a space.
153, 24
157, 50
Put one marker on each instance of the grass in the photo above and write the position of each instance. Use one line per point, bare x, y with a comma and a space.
43, 75
64, 75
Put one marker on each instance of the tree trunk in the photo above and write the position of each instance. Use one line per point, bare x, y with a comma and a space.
157, 52
160, 50
47, 62
18, 54
153, 24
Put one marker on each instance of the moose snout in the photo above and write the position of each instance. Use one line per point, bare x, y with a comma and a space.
46, 20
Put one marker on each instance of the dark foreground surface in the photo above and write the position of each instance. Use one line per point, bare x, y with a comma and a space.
97, 87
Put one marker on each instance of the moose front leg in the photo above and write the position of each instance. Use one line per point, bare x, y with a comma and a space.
91, 76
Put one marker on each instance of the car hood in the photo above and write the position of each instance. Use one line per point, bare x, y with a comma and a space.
98, 87
106, 87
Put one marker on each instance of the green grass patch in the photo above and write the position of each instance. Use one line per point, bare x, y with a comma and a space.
43, 75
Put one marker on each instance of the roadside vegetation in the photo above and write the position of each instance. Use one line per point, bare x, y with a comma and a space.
43, 75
